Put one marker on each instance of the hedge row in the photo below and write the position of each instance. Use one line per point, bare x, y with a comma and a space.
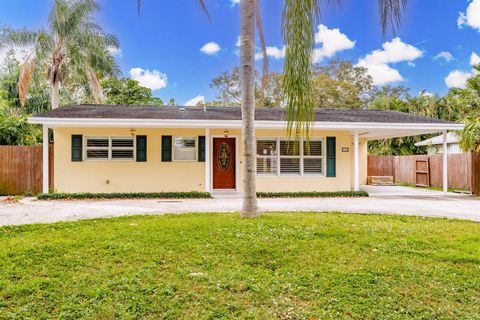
313, 194
133, 195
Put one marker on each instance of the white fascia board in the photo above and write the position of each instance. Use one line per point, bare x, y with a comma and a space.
180, 123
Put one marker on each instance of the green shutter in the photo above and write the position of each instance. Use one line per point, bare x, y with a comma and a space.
166, 148
201, 148
331, 157
77, 146
141, 148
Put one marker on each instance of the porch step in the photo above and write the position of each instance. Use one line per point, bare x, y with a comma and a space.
380, 180
226, 194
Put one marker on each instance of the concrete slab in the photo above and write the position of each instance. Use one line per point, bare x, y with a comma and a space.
382, 200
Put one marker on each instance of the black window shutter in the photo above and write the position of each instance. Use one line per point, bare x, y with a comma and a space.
166, 148
77, 146
331, 157
201, 148
141, 148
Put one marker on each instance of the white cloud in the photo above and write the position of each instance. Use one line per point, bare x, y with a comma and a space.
425, 94
445, 55
210, 48
234, 2
457, 79
332, 41
195, 101
116, 52
377, 62
273, 52
474, 59
152, 79
471, 17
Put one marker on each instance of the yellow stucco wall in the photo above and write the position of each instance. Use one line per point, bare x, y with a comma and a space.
155, 175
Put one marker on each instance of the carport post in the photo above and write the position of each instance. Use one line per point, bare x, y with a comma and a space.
445, 163
356, 174
45, 158
207, 159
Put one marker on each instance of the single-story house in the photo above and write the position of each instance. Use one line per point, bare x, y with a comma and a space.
435, 145
118, 148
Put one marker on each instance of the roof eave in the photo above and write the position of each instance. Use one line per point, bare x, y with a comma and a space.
260, 124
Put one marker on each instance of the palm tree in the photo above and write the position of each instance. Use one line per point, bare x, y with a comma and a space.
299, 19
73, 49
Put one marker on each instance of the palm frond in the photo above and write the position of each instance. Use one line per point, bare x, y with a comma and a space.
261, 35
391, 12
94, 84
26, 72
298, 30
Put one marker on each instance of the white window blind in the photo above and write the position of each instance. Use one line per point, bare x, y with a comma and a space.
277, 156
110, 148
122, 148
267, 157
97, 148
289, 158
185, 149
313, 157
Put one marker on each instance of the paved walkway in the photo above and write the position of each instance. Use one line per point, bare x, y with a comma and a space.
384, 200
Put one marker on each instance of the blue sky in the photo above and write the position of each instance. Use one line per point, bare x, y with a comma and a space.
162, 49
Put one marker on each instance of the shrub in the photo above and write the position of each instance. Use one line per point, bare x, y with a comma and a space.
133, 195
313, 194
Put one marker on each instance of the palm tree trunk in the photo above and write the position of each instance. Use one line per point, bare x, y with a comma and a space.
54, 98
247, 76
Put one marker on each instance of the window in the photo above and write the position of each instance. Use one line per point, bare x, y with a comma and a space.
122, 148
289, 158
97, 148
110, 148
267, 157
313, 157
184, 149
281, 157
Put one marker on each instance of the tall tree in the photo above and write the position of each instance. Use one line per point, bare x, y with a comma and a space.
268, 89
340, 84
72, 50
128, 92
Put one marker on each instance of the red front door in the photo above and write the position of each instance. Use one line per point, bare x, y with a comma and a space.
223, 162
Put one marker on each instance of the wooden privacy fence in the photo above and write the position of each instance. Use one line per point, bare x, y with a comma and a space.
21, 169
463, 169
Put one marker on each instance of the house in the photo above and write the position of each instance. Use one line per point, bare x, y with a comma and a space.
117, 148
435, 145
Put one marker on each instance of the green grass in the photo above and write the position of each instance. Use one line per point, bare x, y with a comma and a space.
210, 266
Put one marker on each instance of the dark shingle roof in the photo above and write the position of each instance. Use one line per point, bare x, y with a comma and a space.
228, 113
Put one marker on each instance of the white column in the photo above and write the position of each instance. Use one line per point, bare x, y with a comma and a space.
356, 165
45, 159
207, 160
445, 163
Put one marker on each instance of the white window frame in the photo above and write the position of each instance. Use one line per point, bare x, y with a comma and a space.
110, 148
322, 158
301, 156
195, 149
275, 156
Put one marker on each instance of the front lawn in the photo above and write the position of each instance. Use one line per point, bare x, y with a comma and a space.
203, 266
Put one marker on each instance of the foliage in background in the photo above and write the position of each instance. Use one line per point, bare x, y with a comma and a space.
128, 92
15, 130
470, 99
340, 84
227, 87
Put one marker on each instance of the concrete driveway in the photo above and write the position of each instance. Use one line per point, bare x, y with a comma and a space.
383, 200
